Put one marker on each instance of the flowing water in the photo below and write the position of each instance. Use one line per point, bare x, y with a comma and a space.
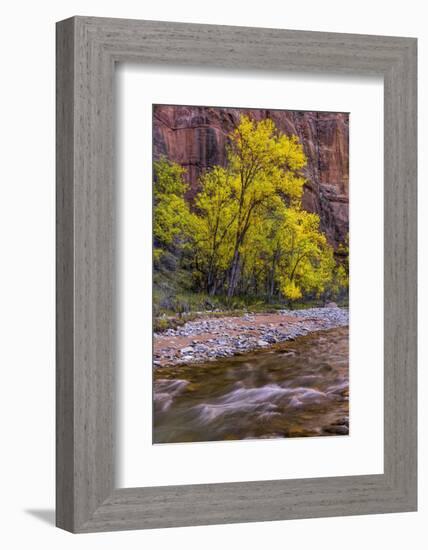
299, 388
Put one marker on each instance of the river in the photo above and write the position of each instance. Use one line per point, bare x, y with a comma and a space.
296, 389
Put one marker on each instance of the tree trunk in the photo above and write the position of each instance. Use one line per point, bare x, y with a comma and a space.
271, 285
233, 273
213, 288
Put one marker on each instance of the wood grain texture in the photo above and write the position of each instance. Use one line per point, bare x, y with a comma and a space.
87, 50
64, 276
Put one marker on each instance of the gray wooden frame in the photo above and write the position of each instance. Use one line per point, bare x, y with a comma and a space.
87, 50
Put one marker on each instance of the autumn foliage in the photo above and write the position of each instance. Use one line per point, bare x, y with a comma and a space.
246, 233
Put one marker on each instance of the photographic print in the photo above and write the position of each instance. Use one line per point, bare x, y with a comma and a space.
250, 273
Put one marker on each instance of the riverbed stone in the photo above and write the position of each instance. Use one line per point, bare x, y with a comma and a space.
262, 343
232, 336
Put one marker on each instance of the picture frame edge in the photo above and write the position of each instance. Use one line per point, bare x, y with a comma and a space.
87, 50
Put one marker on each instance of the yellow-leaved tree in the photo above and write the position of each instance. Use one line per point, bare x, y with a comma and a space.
246, 232
265, 165
308, 264
262, 171
290, 253
171, 216
214, 226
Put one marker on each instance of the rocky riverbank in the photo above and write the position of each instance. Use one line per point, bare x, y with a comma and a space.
207, 339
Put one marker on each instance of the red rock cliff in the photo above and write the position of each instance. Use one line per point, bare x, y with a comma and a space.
196, 138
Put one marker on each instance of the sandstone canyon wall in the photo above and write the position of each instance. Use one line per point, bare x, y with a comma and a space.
196, 138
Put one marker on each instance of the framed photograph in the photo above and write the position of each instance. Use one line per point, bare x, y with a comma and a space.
239, 235
236, 274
